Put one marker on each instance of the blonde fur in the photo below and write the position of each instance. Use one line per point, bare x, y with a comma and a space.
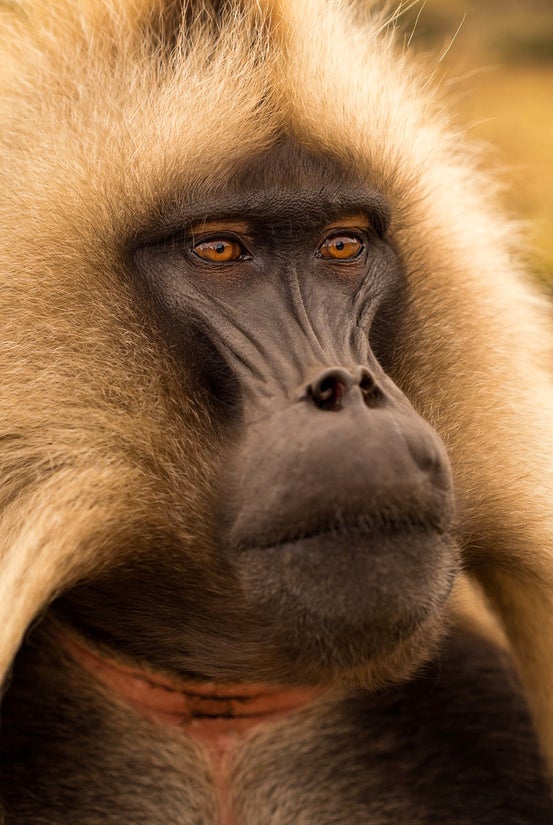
100, 127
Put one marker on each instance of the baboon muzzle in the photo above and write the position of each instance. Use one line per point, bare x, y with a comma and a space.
299, 470
328, 498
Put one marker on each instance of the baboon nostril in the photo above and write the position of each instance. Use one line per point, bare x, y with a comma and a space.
370, 390
327, 393
330, 390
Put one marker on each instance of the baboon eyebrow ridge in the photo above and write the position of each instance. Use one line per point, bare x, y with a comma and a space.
308, 206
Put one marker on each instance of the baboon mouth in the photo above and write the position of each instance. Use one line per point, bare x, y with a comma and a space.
364, 527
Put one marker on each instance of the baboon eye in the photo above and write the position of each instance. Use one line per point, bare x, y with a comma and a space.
220, 250
342, 247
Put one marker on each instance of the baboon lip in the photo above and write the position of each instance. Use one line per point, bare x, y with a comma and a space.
214, 714
364, 526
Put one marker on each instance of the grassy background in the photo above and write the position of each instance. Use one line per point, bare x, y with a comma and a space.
499, 73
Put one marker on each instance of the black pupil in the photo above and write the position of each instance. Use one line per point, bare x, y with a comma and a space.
220, 248
340, 245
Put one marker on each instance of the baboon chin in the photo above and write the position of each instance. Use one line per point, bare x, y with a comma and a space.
272, 386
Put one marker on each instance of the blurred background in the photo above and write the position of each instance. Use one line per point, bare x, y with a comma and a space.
497, 67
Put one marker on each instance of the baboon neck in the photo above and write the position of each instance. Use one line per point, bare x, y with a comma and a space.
216, 715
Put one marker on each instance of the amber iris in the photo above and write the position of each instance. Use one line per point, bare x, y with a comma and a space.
219, 250
341, 247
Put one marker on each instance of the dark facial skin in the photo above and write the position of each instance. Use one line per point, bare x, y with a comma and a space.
332, 507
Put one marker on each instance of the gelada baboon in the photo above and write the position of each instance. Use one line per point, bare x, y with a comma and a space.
270, 378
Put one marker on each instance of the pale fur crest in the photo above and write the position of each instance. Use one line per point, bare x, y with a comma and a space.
104, 128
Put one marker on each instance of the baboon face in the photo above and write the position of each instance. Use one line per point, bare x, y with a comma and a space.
330, 505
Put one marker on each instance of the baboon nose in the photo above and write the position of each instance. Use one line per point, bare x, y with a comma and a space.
334, 386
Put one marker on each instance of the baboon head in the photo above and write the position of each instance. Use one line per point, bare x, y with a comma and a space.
327, 521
